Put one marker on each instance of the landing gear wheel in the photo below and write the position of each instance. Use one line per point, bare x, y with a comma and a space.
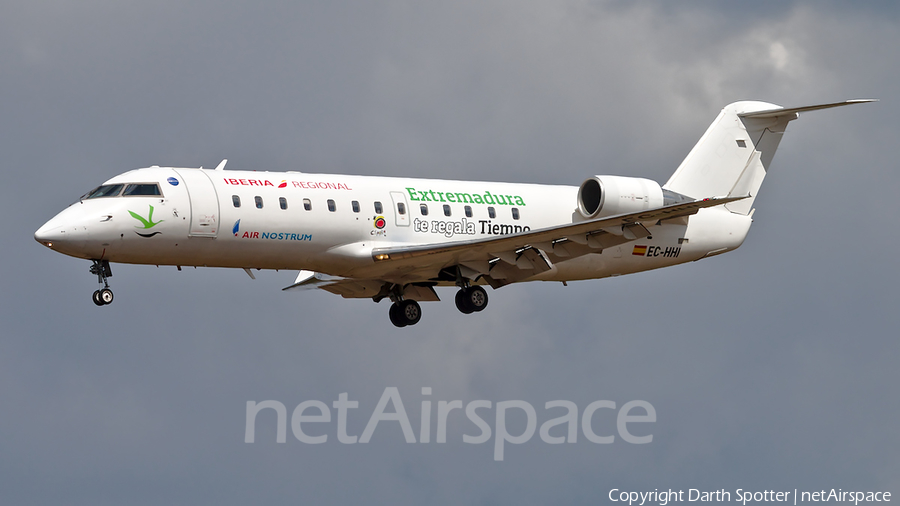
410, 312
405, 312
106, 296
471, 299
396, 318
461, 303
477, 298
101, 269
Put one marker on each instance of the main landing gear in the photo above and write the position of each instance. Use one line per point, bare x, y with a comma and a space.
104, 295
405, 312
470, 299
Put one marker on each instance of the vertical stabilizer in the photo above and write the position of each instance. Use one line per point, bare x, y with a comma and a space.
734, 155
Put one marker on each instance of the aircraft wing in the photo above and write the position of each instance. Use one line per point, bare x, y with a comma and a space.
499, 260
506, 259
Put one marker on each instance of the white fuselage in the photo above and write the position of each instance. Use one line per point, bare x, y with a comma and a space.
331, 223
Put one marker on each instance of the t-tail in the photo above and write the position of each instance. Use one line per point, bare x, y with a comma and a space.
734, 155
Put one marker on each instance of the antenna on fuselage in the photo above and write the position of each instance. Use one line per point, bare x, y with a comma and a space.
221, 165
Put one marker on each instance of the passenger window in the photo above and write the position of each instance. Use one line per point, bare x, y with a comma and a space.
355, 206
107, 190
446, 210
258, 200
282, 202
236, 201
307, 204
423, 209
401, 208
515, 213
491, 213
468, 211
142, 190
331, 206
378, 208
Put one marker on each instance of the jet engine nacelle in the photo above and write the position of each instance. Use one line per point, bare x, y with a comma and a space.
610, 195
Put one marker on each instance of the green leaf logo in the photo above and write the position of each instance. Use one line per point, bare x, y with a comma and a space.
148, 222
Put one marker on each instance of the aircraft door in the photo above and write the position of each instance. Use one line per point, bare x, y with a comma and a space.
204, 203
401, 209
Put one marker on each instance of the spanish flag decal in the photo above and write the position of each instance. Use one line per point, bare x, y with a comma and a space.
639, 251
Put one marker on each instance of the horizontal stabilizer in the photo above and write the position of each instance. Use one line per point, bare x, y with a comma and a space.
774, 113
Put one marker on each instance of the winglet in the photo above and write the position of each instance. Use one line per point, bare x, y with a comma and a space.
221, 165
774, 113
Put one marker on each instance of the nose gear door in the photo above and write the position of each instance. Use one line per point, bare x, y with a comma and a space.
204, 202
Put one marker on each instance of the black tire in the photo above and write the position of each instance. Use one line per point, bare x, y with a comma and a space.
462, 304
410, 312
476, 298
96, 298
395, 316
106, 296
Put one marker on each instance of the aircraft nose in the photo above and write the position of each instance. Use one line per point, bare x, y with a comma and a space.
70, 232
50, 232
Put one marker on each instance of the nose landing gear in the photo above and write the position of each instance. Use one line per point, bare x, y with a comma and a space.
103, 271
102, 297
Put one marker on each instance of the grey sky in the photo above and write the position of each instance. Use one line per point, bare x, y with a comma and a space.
772, 367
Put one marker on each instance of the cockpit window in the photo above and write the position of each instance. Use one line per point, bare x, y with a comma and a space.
142, 189
107, 190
